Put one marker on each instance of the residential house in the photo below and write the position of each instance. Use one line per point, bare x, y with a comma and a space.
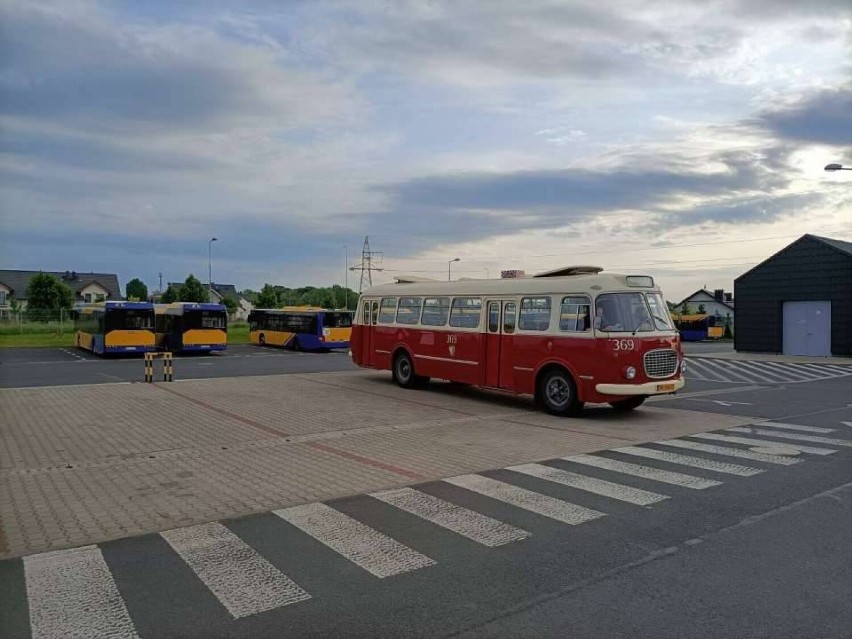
87, 287
218, 293
718, 303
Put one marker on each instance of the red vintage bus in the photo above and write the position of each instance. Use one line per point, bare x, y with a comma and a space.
568, 336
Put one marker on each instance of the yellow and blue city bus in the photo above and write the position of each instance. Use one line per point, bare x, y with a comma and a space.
115, 327
191, 327
301, 328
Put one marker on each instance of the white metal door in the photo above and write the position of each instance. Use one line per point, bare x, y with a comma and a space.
807, 328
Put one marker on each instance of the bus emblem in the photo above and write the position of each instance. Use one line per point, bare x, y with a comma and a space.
453, 350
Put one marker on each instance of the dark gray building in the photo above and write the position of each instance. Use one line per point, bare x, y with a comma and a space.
799, 301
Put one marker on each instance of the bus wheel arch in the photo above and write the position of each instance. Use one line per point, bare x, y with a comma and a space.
556, 391
403, 370
261, 339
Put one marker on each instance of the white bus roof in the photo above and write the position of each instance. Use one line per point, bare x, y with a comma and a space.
571, 279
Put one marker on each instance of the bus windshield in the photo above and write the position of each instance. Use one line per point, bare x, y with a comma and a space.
660, 312
622, 312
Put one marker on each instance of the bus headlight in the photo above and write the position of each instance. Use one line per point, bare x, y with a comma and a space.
630, 372
682, 366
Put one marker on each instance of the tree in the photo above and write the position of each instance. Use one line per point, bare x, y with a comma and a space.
230, 304
193, 291
169, 295
686, 310
701, 309
136, 290
267, 298
46, 293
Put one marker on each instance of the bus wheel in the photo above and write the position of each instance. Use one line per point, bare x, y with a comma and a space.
262, 339
628, 404
403, 372
558, 393
297, 345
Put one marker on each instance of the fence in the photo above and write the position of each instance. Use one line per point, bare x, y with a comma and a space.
58, 322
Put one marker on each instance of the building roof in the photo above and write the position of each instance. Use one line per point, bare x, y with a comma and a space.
18, 281
838, 245
708, 293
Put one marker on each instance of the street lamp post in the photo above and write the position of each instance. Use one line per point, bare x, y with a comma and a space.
210, 265
450, 267
837, 167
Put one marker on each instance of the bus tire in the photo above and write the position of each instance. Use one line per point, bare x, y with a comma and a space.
403, 371
557, 393
297, 345
625, 405
262, 340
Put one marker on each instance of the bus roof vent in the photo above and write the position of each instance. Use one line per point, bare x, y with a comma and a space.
566, 271
412, 279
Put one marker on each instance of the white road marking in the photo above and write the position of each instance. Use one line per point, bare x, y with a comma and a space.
476, 526
729, 452
686, 460
376, 553
733, 369
72, 593
751, 441
243, 581
804, 429
765, 373
557, 509
665, 476
786, 370
590, 484
706, 369
816, 439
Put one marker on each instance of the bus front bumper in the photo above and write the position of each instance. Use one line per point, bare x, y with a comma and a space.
649, 388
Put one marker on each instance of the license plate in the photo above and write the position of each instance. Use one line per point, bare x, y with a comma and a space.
665, 387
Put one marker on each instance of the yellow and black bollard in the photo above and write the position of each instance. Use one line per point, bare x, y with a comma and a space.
168, 370
149, 367
168, 366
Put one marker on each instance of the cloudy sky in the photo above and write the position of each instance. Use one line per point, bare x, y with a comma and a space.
682, 138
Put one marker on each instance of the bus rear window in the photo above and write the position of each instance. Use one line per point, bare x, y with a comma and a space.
337, 320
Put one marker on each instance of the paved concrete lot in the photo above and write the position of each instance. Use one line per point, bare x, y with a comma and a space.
336, 504
26, 367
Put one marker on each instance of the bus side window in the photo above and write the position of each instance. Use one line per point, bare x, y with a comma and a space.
509, 318
375, 312
365, 310
408, 311
535, 314
493, 317
465, 312
435, 311
574, 314
388, 311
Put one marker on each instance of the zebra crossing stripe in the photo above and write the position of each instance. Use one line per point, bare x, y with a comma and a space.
646, 472
475, 526
729, 452
557, 509
367, 548
823, 370
787, 370
767, 373
590, 484
243, 581
706, 369
732, 368
804, 429
72, 593
751, 441
686, 460
816, 439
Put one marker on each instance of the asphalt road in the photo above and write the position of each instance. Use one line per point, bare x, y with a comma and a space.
25, 367
722, 552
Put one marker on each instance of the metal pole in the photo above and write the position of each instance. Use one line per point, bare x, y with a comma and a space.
346, 275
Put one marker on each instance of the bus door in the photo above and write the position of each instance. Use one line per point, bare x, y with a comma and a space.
368, 327
500, 325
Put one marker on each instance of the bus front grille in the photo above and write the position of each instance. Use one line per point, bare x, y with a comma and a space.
660, 362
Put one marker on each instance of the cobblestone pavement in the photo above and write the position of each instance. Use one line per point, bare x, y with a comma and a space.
86, 464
